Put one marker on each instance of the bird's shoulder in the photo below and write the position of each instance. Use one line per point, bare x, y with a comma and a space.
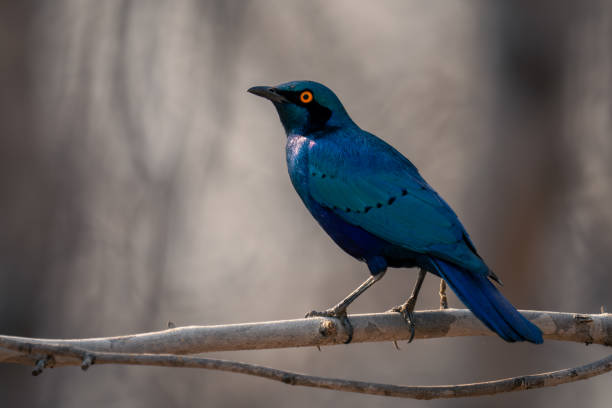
353, 152
355, 160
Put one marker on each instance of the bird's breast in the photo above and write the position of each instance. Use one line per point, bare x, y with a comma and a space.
297, 163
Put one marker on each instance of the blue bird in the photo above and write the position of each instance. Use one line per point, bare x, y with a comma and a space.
375, 205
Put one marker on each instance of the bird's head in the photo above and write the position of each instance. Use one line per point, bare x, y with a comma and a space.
305, 107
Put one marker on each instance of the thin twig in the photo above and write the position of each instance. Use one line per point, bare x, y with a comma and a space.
416, 392
443, 298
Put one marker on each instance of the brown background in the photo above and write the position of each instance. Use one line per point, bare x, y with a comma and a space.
140, 183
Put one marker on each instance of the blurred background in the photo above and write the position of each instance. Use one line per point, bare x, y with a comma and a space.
140, 183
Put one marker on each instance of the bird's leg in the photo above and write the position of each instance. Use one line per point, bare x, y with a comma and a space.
339, 311
443, 299
407, 308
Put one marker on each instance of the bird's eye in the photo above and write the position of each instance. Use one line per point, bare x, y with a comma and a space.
306, 97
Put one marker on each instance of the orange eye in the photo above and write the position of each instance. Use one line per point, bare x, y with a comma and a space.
306, 97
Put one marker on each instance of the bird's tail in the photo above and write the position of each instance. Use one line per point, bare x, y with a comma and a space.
488, 304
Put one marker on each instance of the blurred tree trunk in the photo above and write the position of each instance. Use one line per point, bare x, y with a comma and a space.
527, 155
94, 161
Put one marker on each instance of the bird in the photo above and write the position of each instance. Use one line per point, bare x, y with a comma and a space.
373, 203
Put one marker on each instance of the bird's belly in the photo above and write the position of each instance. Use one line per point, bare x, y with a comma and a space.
354, 240
363, 245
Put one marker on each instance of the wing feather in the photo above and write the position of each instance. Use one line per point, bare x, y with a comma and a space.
388, 198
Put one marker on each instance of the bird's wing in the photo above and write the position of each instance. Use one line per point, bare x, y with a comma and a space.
384, 194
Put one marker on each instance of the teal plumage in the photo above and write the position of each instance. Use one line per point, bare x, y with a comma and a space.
374, 204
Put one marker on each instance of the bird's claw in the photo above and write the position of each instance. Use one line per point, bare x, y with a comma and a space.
406, 311
338, 314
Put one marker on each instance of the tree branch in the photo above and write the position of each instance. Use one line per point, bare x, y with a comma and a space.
160, 348
581, 328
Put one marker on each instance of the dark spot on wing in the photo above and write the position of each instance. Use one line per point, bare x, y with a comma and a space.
469, 245
367, 208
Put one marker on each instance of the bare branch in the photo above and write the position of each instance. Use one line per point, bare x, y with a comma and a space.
160, 348
582, 328
416, 392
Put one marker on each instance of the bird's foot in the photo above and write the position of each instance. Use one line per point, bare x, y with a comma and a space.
339, 314
406, 311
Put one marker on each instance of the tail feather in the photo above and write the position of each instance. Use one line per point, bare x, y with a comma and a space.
488, 304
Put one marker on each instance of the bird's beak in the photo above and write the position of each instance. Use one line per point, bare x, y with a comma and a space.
268, 92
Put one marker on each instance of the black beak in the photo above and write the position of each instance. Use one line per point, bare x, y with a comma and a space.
268, 92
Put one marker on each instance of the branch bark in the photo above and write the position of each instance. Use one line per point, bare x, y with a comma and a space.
161, 348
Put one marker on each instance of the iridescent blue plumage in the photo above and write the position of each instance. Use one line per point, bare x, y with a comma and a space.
374, 204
